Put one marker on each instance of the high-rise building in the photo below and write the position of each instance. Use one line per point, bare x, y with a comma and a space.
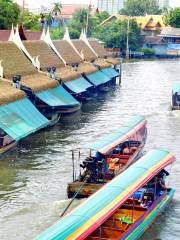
163, 3
111, 6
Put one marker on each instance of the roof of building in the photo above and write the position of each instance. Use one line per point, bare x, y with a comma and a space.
33, 35
68, 10
153, 40
148, 22
170, 32
8, 93
84, 50
47, 56
102, 63
67, 52
67, 74
97, 46
5, 34
15, 62
38, 82
87, 68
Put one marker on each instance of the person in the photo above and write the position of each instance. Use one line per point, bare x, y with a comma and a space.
126, 151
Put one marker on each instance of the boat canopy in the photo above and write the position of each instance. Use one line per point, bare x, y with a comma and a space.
21, 118
88, 216
98, 78
176, 88
106, 144
79, 85
110, 72
57, 96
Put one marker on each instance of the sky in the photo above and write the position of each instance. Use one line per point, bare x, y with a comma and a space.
36, 4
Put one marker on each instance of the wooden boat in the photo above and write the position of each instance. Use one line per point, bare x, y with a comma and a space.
112, 155
124, 208
176, 97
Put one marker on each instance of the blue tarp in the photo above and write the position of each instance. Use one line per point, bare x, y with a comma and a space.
57, 96
79, 85
21, 118
98, 78
113, 137
176, 88
110, 72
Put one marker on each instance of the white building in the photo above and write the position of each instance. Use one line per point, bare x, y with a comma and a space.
111, 6
163, 3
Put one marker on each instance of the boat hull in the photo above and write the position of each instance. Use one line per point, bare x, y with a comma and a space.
143, 224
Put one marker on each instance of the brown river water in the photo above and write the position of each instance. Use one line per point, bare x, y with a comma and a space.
33, 178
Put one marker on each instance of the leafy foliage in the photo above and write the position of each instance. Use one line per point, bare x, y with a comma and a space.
140, 7
9, 13
114, 34
148, 51
31, 21
57, 8
172, 17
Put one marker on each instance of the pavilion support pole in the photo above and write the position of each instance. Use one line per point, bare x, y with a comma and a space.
120, 71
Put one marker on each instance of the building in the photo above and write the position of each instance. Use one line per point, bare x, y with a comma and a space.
163, 3
150, 25
111, 6
67, 12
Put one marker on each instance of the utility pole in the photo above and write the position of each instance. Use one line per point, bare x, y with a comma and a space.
127, 40
23, 6
88, 12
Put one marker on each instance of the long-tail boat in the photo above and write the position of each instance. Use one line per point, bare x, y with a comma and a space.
176, 97
124, 208
109, 157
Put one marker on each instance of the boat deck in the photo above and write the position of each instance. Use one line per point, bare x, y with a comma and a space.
114, 228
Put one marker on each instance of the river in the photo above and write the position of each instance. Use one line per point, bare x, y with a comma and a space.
33, 178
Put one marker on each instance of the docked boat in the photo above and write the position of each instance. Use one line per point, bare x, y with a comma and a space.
108, 157
176, 97
124, 208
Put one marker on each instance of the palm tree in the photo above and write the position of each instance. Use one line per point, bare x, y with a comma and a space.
49, 19
57, 8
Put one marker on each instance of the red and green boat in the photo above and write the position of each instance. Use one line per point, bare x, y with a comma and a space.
108, 157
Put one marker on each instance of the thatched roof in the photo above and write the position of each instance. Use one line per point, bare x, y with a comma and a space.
8, 93
102, 63
47, 57
98, 48
14, 61
38, 82
113, 61
87, 68
67, 73
83, 49
67, 52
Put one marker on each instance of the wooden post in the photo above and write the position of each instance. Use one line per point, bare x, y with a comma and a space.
120, 71
73, 164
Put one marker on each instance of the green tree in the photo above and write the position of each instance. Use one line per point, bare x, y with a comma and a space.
31, 21
9, 13
101, 16
79, 22
172, 17
49, 18
57, 8
140, 7
114, 34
